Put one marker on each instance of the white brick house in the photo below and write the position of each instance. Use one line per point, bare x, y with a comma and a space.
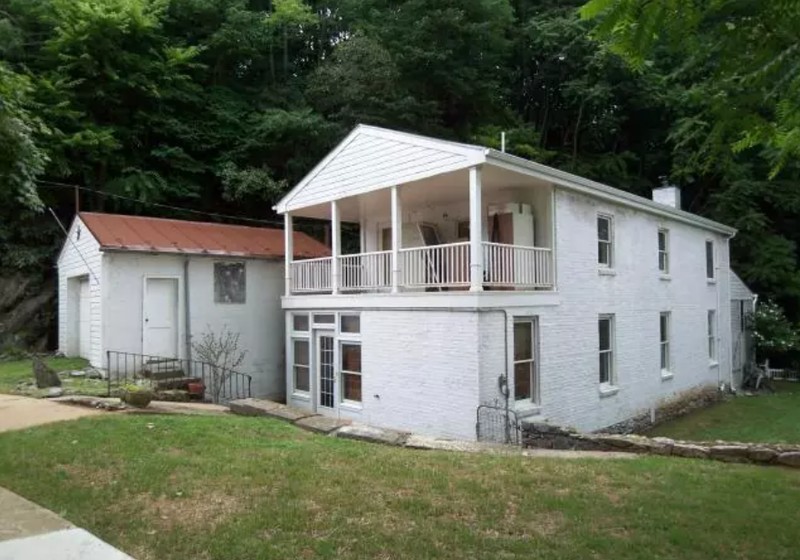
474, 265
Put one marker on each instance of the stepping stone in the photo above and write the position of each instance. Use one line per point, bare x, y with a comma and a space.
288, 413
321, 424
372, 434
252, 407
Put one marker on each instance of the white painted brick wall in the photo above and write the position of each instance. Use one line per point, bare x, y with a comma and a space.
635, 295
420, 372
431, 369
424, 367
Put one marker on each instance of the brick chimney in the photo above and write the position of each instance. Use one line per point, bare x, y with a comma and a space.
669, 195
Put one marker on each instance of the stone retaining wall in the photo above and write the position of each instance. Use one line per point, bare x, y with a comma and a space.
674, 407
546, 436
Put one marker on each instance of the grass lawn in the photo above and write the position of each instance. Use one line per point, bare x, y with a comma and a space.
170, 487
773, 418
13, 374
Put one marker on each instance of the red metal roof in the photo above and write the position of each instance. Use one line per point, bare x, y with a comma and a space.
136, 233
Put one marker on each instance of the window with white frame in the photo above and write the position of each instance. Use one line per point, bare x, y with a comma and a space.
663, 251
712, 335
664, 336
301, 365
605, 326
524, 359
710, 259
350, 357
350, 324
605, 245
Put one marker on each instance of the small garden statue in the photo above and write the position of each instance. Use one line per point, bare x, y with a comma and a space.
45, 377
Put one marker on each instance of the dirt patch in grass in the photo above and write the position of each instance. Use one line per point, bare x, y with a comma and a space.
205, 510
89, 475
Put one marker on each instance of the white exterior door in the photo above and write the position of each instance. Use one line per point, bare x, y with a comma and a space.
84, 319
326, 370
160, 328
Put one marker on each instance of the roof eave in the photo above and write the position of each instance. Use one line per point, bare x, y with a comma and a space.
602, 191
185, 252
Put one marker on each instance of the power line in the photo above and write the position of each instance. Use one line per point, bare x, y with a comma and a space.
74, 245
156, 204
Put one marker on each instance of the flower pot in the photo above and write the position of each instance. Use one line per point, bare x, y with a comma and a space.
196, 389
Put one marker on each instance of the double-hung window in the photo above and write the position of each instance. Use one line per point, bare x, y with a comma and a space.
710, 260
712, 335
524, 359
664, 331
605, 241
605, 326
663, 251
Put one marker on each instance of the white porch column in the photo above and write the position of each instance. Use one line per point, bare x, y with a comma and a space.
397, 237
336, 246
288, 249
475, 231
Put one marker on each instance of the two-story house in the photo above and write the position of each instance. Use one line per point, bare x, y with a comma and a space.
482, 274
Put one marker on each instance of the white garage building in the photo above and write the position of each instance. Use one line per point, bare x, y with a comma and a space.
150, 286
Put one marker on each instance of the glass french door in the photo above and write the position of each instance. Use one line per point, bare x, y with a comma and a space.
326, 368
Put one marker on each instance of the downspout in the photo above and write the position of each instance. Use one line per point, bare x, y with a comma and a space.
186, 310
730, 338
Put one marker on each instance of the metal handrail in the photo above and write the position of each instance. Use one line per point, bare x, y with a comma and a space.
219, 384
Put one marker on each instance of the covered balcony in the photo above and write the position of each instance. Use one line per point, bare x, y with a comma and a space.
483, 227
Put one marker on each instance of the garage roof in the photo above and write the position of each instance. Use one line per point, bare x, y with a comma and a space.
117, 232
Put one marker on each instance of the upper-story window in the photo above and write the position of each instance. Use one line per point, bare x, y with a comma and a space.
710, 260
663, 251
605, 241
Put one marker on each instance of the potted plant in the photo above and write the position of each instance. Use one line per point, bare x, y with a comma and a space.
136, 395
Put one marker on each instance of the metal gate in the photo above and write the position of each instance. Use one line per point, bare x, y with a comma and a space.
496, 423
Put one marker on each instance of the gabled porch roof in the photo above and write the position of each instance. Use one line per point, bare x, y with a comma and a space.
372, 159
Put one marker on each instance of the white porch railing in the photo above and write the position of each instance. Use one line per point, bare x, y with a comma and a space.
517, 266
505, 266
312, 275
365, 271
436, 265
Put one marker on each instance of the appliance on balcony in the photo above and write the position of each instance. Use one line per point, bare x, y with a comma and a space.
510, 223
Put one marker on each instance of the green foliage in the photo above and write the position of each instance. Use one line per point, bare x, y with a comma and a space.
21, 158
772, 331
222, 105
746, 54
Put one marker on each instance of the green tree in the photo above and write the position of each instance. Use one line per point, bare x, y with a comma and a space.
745, 55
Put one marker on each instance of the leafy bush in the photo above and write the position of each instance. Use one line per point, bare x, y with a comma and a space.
773, 333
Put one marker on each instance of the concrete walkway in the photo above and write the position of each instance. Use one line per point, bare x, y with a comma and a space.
17, 412
31, 532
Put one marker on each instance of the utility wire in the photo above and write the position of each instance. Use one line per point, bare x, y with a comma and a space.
157, 204
74, 245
